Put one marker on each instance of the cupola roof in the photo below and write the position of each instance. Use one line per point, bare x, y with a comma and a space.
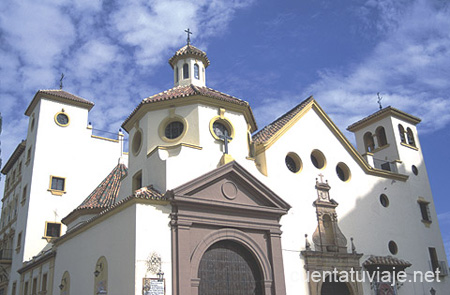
189, 51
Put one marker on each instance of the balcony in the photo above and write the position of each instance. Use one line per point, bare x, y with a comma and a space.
385, 165
5, 256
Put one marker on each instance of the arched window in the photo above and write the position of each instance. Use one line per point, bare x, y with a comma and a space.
177, 74
381, 136
401, 130
410, 135
368, 142
185, 71
196, 72
101, 276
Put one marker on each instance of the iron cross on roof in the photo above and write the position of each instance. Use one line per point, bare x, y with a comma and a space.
61, 81
225, 139
188, 32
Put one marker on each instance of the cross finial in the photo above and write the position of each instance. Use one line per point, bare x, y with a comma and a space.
379, 100
321, 177
188, 32
225, 137
61, 81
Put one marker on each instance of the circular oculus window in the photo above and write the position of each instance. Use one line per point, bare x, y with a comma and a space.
293, 162
415, 170
220, 129
384, 200
393, 247
174, 130
318, 159
62, 119
343, 172
136, 142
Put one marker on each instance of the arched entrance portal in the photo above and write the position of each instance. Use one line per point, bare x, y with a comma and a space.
335, 288
228, 268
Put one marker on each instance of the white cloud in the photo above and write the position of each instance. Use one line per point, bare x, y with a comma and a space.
409, 66
40, 33
104, 48
154, 27
95, 56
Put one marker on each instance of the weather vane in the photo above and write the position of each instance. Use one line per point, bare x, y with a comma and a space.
379, 100
61, 81
188, 36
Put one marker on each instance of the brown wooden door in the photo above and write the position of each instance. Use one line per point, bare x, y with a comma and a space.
334, 288
228, 268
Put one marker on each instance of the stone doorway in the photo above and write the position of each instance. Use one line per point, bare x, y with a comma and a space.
334, 288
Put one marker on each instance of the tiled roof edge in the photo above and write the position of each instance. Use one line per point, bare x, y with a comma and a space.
387, 109
267, 128
14, 157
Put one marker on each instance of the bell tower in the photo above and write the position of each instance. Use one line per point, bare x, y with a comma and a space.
189, 64
388, 140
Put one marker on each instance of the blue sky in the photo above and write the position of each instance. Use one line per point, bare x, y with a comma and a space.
273, 54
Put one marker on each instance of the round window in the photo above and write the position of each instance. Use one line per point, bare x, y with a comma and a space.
293, 162
415, 170
384, 200
174, 129
137, 142
62, 119
343, 172
393, 247
318, 159
220, 129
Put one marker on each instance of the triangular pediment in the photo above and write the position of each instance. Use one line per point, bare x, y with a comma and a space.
229, 185
271, 133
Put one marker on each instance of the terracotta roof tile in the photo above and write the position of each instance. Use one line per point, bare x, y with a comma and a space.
59, 94
146, 193
14, 157
189, 50
270, 130
385, 261
149, 193
105, 194
385, 110
187, 91
67, 95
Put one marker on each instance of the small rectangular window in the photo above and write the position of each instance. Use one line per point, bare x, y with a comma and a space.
137, 181
25, 289
34, 286
24, 194
19, 240
28, 155
57, 185
44, 282
433, 258
14, 286
424, 210
52, 229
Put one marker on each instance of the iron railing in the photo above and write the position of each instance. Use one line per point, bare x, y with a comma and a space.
385, 165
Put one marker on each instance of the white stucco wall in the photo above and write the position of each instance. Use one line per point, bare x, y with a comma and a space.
69, 152
360, 213
115, 240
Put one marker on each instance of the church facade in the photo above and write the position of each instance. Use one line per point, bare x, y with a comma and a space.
205, 203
